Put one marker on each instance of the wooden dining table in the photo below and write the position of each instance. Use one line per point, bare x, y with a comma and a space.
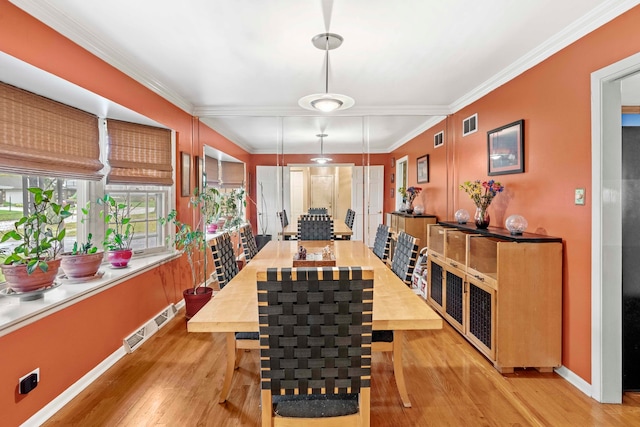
395, 306
340, 228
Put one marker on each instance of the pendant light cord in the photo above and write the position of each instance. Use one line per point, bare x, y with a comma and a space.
326, 74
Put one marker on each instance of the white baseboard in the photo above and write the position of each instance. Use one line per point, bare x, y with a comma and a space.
574, 380
65, 397
76, 388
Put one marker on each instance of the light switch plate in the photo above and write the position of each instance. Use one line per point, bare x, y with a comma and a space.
579, 196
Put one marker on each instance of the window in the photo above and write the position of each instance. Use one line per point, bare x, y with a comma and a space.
147, 205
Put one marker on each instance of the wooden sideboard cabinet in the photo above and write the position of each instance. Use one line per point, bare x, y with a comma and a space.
415, 225
502, 292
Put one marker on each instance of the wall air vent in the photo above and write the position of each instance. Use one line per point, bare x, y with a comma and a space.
438, 139
165, 315
136, 339
470, 125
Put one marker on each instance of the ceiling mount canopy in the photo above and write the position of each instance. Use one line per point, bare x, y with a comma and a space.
326, 102
322, 159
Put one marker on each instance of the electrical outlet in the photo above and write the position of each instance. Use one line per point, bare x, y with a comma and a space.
579, 196
29, 381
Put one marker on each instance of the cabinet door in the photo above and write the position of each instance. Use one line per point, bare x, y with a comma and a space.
454, 299
481, 317
435, 284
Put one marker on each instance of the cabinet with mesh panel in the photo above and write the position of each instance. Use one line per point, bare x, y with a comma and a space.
502, 292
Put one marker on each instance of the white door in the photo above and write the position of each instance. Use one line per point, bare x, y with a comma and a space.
322, 192
297, 194
272, 197
368, 205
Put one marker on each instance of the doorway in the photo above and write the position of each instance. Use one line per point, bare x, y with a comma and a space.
402, 166
606, 229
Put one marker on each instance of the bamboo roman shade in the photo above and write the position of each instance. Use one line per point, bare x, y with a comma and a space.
139, 154
39, 136
211, 169
231, 174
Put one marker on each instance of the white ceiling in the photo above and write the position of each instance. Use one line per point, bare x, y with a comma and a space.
242, 65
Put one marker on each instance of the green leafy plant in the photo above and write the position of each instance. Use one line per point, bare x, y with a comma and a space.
189, 240
231, 205
210, 207
41, 232
87, 247
116, 215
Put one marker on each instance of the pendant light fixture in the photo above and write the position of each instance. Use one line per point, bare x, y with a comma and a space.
326, 102
322, 159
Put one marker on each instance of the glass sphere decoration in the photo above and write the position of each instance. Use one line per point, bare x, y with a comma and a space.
418, 209
516, 224
462, 216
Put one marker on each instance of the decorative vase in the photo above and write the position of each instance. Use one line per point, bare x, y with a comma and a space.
119, 258
481, 218
410, 207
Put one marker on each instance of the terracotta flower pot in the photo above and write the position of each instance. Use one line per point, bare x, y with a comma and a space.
194, 301
20, 281
119, 258
81, 265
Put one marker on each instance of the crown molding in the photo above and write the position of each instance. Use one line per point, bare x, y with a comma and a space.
417, 131
599, 16
74, 31
272, 111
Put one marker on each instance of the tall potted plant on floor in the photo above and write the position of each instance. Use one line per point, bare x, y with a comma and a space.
191, 242
33, 264
263, 221
119, 232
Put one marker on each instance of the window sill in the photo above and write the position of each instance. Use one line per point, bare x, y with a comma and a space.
15, 314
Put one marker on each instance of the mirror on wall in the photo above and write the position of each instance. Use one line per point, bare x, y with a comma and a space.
282, 149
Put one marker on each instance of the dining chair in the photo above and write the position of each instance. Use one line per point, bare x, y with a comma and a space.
315, 227
315, 345
317, 211
224, 259
348, 220
226, 268
405, 256
284, 221
382, 243
248, 242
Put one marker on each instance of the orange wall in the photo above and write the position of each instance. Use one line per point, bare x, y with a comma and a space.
67, 344
554, 100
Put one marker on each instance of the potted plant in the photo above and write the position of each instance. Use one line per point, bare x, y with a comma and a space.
33, 264
190, 241
263, 221
84, 260
231, 205
211, 208
119, 232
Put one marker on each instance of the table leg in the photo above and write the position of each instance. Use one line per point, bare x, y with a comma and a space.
231, 363
398, 373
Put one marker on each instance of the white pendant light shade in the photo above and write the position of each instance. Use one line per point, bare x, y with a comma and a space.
322, 159
326, 102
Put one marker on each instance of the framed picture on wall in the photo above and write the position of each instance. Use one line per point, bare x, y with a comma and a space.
200, 177
423, 169
185, 174
506, 149
393, 177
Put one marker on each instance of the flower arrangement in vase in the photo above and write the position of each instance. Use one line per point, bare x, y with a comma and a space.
482, 193
408, 196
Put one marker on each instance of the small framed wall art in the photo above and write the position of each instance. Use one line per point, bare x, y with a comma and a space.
505, 147
423, 169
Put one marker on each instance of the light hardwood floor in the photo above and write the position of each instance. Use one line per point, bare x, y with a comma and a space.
174, 380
